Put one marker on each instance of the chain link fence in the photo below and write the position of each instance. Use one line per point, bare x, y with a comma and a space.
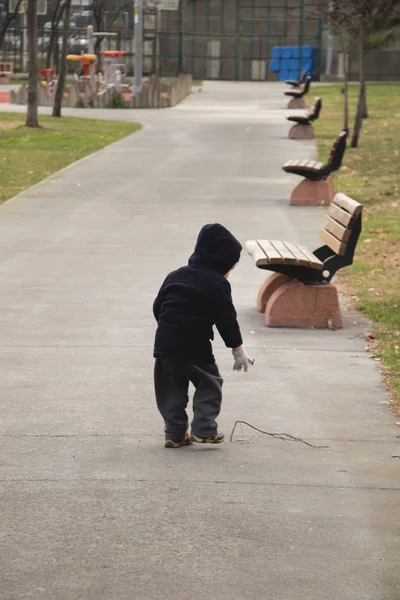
211, 39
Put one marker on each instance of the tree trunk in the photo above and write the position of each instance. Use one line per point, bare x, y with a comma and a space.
97, 45
63, 63
99, 24
346, 94
365, 113
50, 47
57, 16
361, 98
344, 48
364, 107
32, 110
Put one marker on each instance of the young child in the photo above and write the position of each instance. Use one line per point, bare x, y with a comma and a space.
191, 300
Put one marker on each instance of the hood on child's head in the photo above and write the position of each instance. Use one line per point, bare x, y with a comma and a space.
216, 248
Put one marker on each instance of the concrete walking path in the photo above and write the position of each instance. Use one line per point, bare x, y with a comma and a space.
92, 506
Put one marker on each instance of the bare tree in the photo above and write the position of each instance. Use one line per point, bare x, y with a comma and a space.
103, 8
377, 26
334, 12
383, 30
63, 64
362, 110
345, 53
367, 24
10, 17
32, 109
56, 16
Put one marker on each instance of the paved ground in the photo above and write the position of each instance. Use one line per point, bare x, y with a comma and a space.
92, 506
5, 92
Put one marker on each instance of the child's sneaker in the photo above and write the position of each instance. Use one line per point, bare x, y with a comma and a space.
185, 442
214, 439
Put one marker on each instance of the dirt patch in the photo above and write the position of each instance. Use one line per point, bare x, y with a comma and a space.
7, 125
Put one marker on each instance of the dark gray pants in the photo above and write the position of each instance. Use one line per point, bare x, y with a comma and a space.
171, 381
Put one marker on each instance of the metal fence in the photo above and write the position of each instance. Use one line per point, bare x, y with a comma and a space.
234, 39
214, 39
14, 48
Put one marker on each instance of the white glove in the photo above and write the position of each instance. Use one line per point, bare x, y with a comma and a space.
242, 360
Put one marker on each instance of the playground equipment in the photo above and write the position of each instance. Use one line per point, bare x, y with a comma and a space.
112, 73
49, 79
114, 70
91, 36
84, 62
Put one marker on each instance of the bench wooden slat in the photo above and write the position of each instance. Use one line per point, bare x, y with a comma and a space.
287, 256
266, 252
348, 204
304, 256
333, 243
257, 254
336, 229
272, 253
310, 165
301, 112
314, 165
301, 258
314, 261
340, 215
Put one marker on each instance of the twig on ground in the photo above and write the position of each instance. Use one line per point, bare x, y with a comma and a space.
285, 437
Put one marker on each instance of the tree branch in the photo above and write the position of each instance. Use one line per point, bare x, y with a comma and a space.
55, 21
10, 17
285, 437
118, 12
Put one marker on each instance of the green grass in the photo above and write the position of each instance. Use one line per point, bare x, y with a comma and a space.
27, 155
24, 81
19, 81
371, 175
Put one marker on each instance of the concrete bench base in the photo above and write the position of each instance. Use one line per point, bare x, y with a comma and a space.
313, 193
297, 103
288, 302
268, 288
302, 132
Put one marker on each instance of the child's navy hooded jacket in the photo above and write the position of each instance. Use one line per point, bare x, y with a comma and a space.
194, 298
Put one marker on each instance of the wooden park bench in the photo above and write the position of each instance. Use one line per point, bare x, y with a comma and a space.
300, 293
297, 95
303, 120
295, 83
316, 189
6, 69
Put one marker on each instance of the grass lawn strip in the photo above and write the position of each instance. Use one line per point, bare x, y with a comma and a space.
371, 175
28, 156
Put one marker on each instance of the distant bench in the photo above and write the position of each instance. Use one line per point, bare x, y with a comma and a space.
297, 95
300, 294
295, 83
316, 189
303, 119
6, 69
